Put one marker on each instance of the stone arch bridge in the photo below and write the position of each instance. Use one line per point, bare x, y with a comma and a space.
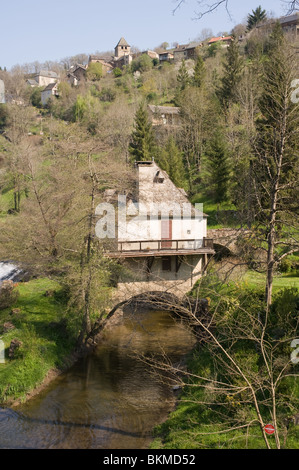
228, 241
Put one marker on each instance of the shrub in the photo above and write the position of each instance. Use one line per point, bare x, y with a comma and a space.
117, 72
8, 294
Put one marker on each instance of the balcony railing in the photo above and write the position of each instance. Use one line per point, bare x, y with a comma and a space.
165, 245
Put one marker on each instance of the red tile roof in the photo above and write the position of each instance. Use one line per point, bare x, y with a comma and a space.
220, 38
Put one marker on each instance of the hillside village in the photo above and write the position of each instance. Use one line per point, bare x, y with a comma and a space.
149, 225
124, 56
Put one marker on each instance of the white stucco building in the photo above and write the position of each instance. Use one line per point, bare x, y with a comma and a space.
161, 238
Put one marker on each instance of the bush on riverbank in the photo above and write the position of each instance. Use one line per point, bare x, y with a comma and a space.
38, 320
215, 410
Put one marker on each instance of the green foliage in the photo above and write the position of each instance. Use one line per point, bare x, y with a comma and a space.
183, 77
3, 115
213, 49
41, 328
257, 16
278, 116
209, 418
217, 168
94, 71
117, 72
35, 97
142, 64
233, 67
170, 159
199, 72
142, 143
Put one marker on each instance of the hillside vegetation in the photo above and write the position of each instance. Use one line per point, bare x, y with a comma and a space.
235, 149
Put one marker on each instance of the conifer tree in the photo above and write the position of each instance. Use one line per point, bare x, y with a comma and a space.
183, 76
170, 159
217, 169
199, 72
257, 16
233, 67
142, 144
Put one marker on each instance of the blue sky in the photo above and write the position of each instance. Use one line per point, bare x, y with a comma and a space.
50, 30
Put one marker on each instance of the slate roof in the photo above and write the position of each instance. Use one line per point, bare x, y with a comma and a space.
47, 73
164, 109
122, 42
50, 86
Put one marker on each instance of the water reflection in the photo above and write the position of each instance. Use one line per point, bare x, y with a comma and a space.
108, 400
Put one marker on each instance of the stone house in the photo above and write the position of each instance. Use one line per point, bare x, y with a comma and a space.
289, 24
151, 54
44, 78
106, 62
76, 74
48, 92
162, 239
164, 115
123, 60
166, 56
225, 41
186, 51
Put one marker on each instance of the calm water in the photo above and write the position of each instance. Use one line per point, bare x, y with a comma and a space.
108, 400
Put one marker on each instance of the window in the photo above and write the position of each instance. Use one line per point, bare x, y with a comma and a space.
166, 263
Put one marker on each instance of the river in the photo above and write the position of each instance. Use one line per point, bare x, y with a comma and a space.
8, 271
109, 399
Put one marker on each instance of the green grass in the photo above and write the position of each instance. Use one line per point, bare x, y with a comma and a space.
197, 420
6, 202
226, 216
40, 327
258, 280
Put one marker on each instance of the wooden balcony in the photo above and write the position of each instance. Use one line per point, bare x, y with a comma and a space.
147, 248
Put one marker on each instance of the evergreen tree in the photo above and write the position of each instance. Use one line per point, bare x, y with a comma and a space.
171, 160
276, 156
258, 15
199, 72
216, 173
183, 76
142, 144
233, 67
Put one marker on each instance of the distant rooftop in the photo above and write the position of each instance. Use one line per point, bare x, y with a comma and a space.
164, 109
47, 73
122, 42
220, 38
50, 86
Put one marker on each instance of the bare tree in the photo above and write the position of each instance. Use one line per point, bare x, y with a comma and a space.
248, 362
211, 7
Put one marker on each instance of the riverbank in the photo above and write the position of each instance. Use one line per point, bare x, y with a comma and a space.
37, 321
108, 399
211, 412
47, 348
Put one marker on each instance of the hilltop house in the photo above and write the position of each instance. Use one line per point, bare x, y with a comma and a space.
162, 238
164, 115
106, 62
151, 54
76, 74
166, 56
225, 41
289, 24
48, 92
186, 51
42, 78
